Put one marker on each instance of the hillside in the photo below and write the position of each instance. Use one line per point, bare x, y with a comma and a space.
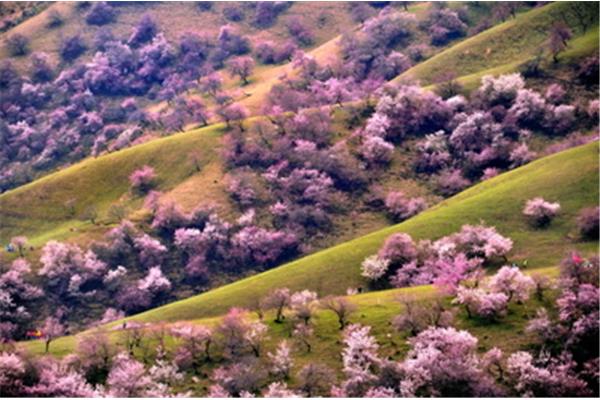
506, 46
569, 177
299, 199
174, 21
39, 209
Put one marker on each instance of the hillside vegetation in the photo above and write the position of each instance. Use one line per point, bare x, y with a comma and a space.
39, 209
569, 177
506, 46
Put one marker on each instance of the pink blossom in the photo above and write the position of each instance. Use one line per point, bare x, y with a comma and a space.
155, 282
443, 362
402, 207
281, 361
279, 390
398, 248
480, 303
374, 267
151, 250
127, 378
142, 178
12, 372
376, 150
540, 211
513, 283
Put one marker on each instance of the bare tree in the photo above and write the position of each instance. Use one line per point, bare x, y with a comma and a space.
341, 307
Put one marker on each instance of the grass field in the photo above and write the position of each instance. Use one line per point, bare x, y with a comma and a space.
569, 177
504, 47
38, 209
190, 172
375, 309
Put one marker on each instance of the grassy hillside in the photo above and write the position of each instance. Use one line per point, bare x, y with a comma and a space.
38, 209
504, 47
375, 309
324, 17
570, 177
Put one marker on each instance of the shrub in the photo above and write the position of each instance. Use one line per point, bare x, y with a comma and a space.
418, 52
12, 373
530, 377
17, 44
399, 249
520, 155
270, 53
399, 207
54, 20
540, 212
299, 31
411, 110
513, 283
242, 67
101, 13
231, 42
72, 47
374, 267
587, 222
445, 362
481, 241
451, 181
360, 11
144, 31
555, 93
267, 11
232, 113
478, 302
502, 90
233, 13
281, 360
444, 25
315, 380
204, 5
41, 70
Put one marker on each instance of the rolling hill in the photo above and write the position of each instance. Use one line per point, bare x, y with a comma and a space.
193, 169
38, 209
569, 177
504, 47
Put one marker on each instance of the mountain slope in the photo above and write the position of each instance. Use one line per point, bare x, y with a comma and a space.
38, 209
504, 47
375, 309
569, 177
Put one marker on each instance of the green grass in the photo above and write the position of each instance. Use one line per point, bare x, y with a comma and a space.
503, 47
38, 209
570, 177
375, 309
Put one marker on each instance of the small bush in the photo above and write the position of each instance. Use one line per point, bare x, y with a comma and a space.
540, 212
145, 30
72, 47
17, 44
142, 179
204, 5
233, 13
400, 207
587, 222
54, 20
101, 14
